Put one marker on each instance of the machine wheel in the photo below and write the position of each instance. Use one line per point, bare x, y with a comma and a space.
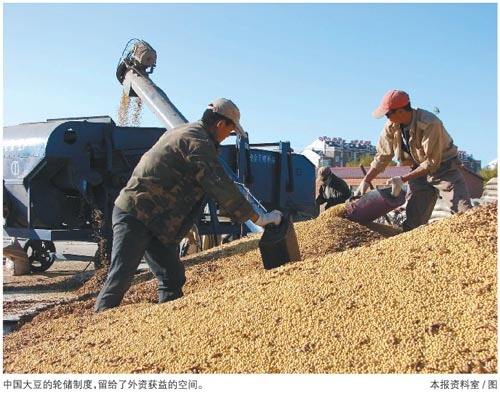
41, 254
191, 244
210, 241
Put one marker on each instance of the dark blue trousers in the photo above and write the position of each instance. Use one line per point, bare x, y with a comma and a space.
131, 241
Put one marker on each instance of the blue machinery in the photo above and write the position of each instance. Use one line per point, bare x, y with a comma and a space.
62, 176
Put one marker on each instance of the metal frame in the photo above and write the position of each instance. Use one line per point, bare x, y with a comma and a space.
49, 234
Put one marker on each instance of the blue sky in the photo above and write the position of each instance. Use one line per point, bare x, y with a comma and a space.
297, 71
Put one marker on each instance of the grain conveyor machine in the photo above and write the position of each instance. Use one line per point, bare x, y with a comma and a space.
62, 176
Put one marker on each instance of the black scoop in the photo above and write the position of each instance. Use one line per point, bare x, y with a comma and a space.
278, 244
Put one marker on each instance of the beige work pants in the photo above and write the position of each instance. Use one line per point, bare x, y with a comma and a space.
447, 183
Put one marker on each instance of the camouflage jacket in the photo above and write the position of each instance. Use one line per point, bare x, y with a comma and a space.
168, 185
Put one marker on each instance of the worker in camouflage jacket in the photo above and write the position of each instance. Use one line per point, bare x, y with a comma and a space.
332, 189
418, 138
165, 195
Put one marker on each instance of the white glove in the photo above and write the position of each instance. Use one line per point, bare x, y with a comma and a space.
269, 218
362, 188
397, 185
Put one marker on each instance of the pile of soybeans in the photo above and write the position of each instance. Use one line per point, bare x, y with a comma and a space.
423, 301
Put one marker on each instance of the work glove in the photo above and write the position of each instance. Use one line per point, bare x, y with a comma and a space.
362, 188
397, 184
269, 218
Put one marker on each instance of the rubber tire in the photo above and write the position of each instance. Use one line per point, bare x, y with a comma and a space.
43, 252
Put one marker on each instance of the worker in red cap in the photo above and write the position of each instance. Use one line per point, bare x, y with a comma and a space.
418, 138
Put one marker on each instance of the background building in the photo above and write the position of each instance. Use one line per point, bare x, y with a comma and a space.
469, 161
492, 164
336, 152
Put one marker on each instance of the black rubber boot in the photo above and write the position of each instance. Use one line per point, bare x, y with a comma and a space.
168, 296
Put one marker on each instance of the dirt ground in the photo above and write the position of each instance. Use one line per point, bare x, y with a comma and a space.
24, 296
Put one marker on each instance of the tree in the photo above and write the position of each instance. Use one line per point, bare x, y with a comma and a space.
488, 173
365, 160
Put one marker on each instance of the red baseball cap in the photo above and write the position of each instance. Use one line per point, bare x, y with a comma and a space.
393, 99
